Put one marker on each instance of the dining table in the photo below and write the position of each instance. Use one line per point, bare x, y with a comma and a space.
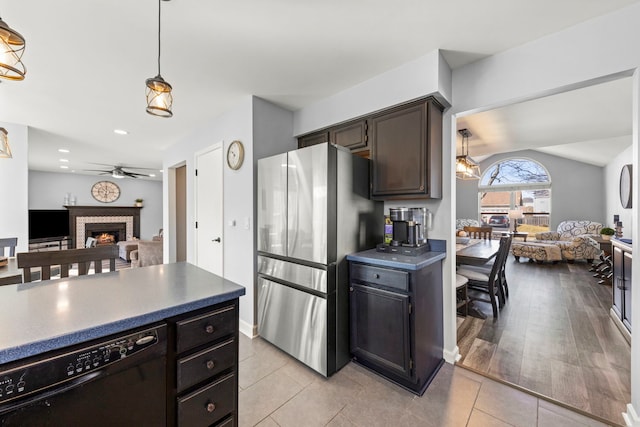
10, 273
476, 251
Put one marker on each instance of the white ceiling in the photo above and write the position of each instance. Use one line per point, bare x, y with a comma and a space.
87, 61
592, 125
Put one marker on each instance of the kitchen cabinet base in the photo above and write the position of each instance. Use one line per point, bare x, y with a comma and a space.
415, 388
623, 329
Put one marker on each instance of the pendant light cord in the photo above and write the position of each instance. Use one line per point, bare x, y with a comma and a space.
159, 14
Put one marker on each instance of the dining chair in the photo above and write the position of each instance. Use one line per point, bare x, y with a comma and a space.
462, 297
502, 277
11, 280
489, 283
8, 242
82, 257
479, 232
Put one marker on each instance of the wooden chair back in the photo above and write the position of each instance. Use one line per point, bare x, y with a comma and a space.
11, 280
83, 257
8, 242
479, 232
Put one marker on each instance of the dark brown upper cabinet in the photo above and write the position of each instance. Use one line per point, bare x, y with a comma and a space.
313, 139
406, 152
404, 144
352, 135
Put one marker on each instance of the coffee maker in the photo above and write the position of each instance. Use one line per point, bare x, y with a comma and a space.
409, 231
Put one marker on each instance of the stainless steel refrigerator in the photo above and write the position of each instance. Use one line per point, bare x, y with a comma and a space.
313, 210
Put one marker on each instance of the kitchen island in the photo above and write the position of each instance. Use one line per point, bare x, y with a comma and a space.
396, 314
188, 314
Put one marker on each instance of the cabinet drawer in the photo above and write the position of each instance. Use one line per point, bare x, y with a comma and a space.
205, 328
205, 364
381, 276
209, 404
229, 422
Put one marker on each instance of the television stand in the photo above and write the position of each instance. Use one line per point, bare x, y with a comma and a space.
49, 244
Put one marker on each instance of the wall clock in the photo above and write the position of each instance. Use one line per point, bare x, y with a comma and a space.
105, 191
625, 186
235, 155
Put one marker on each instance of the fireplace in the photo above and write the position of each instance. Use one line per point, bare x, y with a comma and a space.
106, 233
121, 222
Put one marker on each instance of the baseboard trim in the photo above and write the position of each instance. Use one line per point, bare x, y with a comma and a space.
631, 418
249, 330
452, 356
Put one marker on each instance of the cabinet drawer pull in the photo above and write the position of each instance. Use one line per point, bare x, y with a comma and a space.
211, 407
210, 364
376, 276
209, 329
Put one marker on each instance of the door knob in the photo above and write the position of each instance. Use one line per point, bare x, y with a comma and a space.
217, 239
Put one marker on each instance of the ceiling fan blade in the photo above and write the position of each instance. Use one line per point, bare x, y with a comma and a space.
137, 168
96, 170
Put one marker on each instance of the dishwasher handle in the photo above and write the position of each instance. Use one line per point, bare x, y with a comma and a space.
47, 393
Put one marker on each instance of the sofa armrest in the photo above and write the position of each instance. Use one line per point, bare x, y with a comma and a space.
548, 235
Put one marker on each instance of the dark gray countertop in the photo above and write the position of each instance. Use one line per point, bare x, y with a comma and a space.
42, 316
405, 262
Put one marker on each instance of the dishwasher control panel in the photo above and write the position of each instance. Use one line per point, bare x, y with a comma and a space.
45, 372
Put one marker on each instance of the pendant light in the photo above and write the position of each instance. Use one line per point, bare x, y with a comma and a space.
159, 99
5, 150
466, 167
11, 50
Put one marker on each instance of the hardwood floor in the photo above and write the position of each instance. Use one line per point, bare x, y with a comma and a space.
553, 337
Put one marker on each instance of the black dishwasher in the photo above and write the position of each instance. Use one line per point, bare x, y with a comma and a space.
116, 381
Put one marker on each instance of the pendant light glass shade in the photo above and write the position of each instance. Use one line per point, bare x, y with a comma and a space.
466, 167
11, 50
5, 150
159, 98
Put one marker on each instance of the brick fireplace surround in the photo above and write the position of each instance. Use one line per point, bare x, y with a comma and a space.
121, 218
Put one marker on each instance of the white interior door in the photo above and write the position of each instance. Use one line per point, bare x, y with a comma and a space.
209, 209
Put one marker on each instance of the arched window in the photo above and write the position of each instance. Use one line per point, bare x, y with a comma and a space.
515, 191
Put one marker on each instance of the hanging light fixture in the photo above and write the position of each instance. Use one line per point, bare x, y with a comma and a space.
159, 99
5, 150
466, 167
11, 50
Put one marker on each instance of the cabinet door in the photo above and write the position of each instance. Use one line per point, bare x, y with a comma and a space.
618, 281
380, 322
406, 152
313, 139
626, 318
350, 135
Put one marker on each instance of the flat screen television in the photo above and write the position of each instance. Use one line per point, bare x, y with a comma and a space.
48, 223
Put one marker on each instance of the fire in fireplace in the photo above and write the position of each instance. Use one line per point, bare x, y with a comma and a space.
105, 239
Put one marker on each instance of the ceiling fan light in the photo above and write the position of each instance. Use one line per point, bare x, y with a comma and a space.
117, 173
11, 49
5, 149
159, 98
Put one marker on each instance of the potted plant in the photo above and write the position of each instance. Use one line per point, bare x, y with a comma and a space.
606, 233
139, 203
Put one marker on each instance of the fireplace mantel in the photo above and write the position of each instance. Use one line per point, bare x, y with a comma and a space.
89, 211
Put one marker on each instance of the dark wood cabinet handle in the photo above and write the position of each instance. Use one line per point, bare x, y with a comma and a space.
210, 407
210, 364
377, 276
208, 329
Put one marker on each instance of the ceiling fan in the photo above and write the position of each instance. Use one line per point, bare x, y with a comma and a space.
118, 172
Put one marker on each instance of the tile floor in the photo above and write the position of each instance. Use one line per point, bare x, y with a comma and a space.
276, 390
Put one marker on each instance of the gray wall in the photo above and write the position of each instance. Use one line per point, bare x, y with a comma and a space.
47, 191
577, 189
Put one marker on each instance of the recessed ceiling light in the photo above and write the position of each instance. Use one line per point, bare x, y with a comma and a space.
64, 160
64, 167
120, 131
161, 171
63, 150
